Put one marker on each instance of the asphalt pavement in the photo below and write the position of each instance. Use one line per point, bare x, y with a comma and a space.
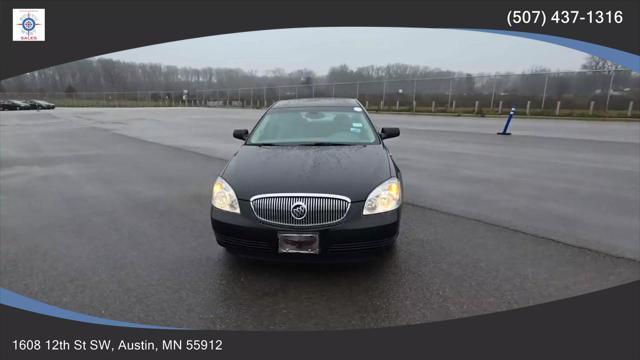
577, 182
105, 212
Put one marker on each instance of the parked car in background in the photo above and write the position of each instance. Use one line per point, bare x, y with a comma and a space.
13, 105
39, 104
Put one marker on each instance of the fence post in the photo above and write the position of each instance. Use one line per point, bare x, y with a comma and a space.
544, 92
450, 89
500, 107
296, 92
313, 91
630, 110
251, 101
397, 105
366, 104
333, 91
264, 94
475, 110
414, 95
384, 91
357, 89
558, 108
433, 106
493, 92
592, 104
529, 107
606, 107
453, 108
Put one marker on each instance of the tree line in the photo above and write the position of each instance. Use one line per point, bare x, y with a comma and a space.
108, 75
105, 74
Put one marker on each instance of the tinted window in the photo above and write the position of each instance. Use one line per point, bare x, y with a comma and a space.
322, 125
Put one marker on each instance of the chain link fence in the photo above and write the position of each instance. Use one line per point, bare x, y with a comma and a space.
607, 93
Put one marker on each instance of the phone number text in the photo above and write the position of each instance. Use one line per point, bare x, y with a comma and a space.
540, 17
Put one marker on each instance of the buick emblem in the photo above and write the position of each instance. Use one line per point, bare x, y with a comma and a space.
299, 210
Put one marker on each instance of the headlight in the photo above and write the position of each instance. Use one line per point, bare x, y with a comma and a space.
223, 197
386, 197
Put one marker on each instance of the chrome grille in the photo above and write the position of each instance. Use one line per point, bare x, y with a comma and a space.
321, 209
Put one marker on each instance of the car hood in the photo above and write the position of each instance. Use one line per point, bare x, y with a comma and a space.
351, 171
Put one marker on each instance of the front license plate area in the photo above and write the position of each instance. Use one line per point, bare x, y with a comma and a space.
301, 243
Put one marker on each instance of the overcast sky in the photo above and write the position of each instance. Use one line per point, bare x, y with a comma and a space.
320, 48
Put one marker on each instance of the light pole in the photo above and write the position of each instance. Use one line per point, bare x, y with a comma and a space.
606, 106
544, 92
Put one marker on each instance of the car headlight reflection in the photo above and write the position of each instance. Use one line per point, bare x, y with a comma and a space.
386, 197
223, 197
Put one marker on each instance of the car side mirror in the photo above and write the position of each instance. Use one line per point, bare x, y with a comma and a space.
389, 132
241, 134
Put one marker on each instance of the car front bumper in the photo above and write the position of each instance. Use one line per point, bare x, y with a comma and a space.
355, 236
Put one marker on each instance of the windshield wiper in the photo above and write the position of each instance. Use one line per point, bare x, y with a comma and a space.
325, 144
319, 143
265, 144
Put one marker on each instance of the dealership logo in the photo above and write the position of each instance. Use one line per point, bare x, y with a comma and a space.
28, 24
299, 211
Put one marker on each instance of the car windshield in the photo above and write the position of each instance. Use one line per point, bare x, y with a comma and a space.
314, 126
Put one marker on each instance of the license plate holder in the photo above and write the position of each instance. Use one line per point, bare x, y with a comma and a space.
300, 243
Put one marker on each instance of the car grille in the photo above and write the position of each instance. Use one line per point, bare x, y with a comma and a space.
321, 209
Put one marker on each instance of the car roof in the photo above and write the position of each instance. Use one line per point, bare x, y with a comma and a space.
315, 102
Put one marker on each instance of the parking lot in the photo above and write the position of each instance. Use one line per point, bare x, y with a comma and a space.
105, 212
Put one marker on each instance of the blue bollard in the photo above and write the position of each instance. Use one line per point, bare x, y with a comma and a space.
506, 125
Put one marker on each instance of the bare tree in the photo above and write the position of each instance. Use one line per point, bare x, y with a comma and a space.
167, 81
593, 62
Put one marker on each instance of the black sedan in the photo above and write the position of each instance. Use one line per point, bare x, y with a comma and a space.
312, 181
13, 105
40, 104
